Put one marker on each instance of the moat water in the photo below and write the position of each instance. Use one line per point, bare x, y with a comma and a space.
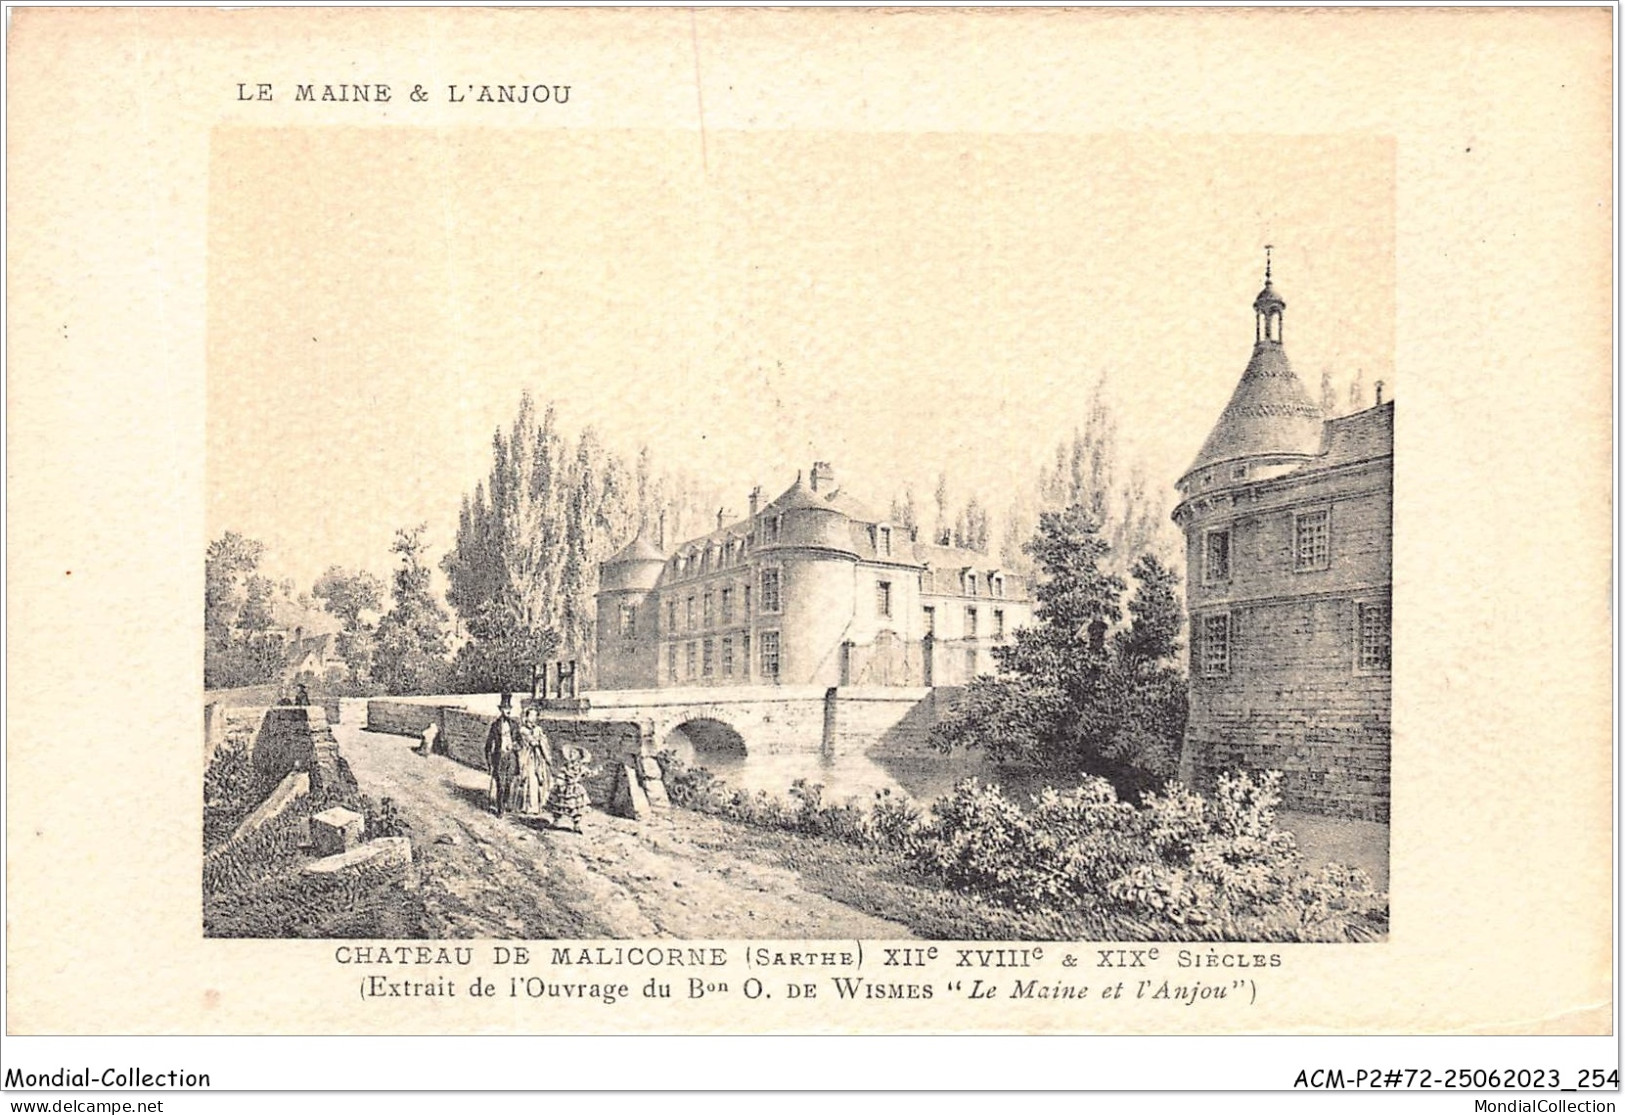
860, 776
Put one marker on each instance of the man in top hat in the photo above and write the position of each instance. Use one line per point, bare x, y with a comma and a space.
502, 754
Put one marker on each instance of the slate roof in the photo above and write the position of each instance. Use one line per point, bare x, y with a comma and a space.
1270, 413
641, 548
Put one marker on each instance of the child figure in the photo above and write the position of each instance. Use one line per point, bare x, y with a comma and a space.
571, 801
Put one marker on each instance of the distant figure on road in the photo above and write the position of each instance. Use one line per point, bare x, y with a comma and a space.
502, 755
427, 740
535, 766
572, 801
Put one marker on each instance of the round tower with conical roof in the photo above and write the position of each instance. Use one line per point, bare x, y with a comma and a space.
1271, 425
807, 590
1288, 521
626, 615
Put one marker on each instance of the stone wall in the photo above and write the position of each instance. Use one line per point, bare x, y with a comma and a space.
402, 717
609, 741
1290, 692
879, 720
462, 735
1295, 702
1339, 770
771, 720
298, 738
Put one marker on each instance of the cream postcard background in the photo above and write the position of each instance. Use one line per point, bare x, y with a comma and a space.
1499, 130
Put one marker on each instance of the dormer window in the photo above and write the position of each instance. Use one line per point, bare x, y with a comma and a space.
885, 542
970, 585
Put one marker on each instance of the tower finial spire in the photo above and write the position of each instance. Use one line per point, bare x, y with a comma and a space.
1268, 305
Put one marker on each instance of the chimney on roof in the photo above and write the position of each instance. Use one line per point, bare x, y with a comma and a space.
1379, 392
660, 531
823, 477
755, 500
720, 514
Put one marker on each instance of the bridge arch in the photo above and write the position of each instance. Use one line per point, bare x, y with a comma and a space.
706, 741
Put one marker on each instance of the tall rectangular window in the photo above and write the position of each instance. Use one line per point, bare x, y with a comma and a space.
727, 656
770, 590
883, 599
671, 663
885, 541
998, 623
744, 655
709, 617
1216, 645
931, 622
671, 617
970, 623
690, 654
970, 584
688, 614
1216, 556
708, 659
747, 601
629, 621
1313, 539
770, 655
1376, 636
727, 605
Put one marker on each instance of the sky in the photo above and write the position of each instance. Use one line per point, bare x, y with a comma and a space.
747, 302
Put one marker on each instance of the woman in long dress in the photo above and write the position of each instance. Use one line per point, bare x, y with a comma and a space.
535, 767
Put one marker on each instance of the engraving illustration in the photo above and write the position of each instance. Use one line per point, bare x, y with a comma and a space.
720, 660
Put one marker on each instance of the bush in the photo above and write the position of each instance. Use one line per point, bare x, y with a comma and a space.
1062, 851
231, 790
1178, 866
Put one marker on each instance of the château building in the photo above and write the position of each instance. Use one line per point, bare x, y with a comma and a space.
812, 589
1288, 520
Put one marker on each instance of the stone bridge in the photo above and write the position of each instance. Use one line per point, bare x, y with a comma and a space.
735, 722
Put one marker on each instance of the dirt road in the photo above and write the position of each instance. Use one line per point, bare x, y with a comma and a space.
482, 876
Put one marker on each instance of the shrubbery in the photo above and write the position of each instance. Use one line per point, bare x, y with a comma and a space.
1179, 865
253, 885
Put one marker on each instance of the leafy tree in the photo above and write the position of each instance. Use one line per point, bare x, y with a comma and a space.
1067, 698
972, 528
239, 647
229, 560
411, 644
903, 511
944, 529
350, 596
523, 572
1150, 694
1086, 470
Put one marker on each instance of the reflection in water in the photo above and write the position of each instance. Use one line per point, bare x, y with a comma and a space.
850, 776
